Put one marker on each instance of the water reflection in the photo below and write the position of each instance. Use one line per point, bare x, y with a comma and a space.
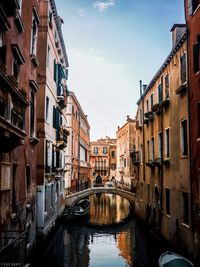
88, 245
108, 209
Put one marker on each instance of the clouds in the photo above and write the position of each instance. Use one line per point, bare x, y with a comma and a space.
81, 12
103, 5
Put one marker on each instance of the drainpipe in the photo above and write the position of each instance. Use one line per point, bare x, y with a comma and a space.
190, 142
78, 151
161, 174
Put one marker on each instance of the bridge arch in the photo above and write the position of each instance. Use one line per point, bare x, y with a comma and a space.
71, 200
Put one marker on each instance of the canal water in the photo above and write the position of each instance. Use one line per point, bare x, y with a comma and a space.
109, 237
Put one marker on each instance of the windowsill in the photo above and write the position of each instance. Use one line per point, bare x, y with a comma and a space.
196, 10
184, 156
185, 225
197, 73
167, 216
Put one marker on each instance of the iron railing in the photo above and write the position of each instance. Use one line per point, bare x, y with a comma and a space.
13, 249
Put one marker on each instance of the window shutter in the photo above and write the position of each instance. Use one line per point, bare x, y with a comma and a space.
190, 7
196, 57
56, 118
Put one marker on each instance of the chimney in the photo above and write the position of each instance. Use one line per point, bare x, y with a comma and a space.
177, 31
140, 87
128, 118
144, 87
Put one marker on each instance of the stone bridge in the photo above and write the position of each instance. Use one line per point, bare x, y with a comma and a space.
72, 199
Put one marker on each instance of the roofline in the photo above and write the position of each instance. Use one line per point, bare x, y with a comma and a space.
80, 108
163, 66
58, 26
130, 121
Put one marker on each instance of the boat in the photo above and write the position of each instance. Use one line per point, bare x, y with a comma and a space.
79, 210
171, 259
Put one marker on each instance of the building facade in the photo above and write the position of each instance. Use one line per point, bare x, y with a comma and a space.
103, 159
126, 171
51, 119
18, 89
162, 147
78, 149
192, 14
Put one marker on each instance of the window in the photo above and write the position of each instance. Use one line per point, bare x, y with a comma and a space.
185, 208
167, 198
105, 151
160, 145
184, 138
34, 35
147, 105
1, 39
48, 156
196, 55
152, 101
48, 56
141, 116
192, 6
125, 163
152, 149
16, 68
95, 150
141, 153
160, 93
47, 109
167, 86
28, 178
53, 156
32, 115
148, 150
113, 166
20, 7
113, 154
55, 72
183, 68
50, 19
198, 119
167, 151
83, 154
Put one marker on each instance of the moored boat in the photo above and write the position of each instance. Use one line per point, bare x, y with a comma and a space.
171, 259
78, 211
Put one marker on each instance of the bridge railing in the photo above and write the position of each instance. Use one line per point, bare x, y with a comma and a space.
84, 186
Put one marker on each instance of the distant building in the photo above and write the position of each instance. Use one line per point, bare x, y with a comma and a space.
103, 159
126, 175
192, 14
19, 23
163, 189
77, 154
51, 119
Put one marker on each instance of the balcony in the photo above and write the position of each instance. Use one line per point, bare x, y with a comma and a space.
158, 162
62, 135
150, 164
166, 103
149, 115
182, 89
135, 158
157, 108
10, 7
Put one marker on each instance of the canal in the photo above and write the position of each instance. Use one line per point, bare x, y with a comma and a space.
109, 237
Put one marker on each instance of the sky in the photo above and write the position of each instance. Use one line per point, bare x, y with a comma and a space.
111, 46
